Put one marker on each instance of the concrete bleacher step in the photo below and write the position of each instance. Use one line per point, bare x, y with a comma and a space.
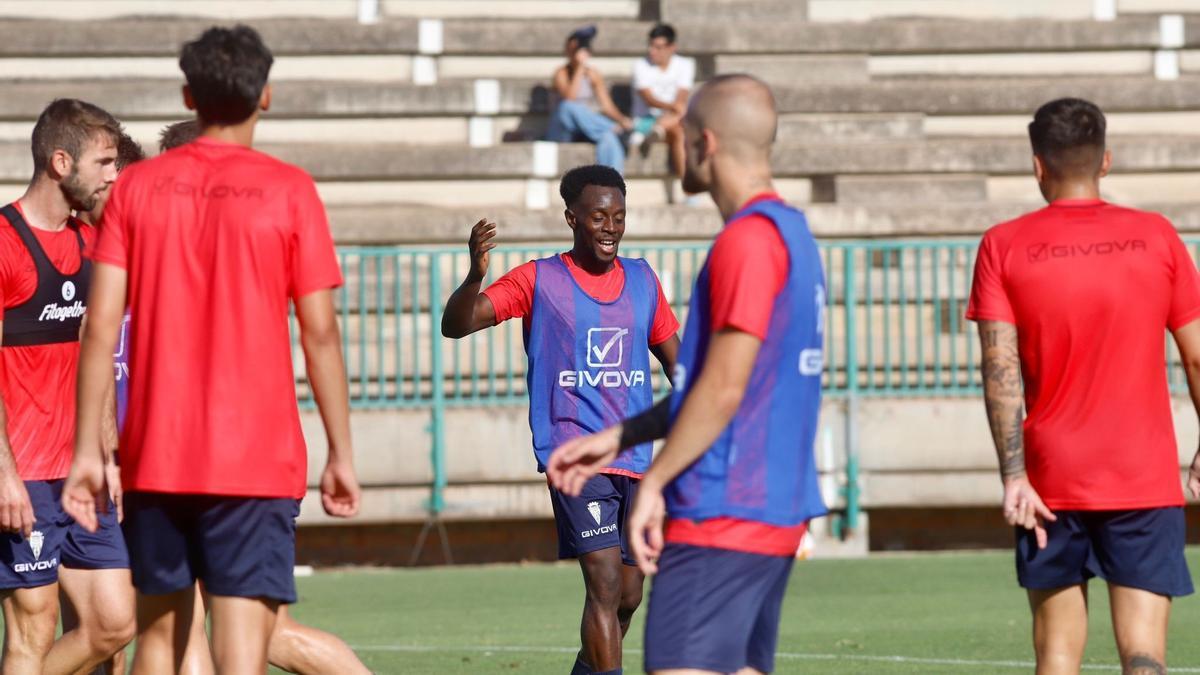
161, 36
142, 98
260, 9
964, 98
678, 11
399, 224
1002, 156
782, 69
452, 129
862, 10
899, 189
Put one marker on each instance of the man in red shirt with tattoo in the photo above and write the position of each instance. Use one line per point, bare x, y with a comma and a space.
1072, 302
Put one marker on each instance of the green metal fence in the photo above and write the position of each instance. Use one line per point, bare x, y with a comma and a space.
894, 328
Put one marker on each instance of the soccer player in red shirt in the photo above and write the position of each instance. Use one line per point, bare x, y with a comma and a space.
1072, 302
208, 244
723, 508
294, 647
44, 278
589, 316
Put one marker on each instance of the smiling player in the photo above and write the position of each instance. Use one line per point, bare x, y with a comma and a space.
586, 313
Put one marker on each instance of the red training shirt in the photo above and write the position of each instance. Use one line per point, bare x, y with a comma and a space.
37, 382
747, 268
512, 296
217, 238
1092, 288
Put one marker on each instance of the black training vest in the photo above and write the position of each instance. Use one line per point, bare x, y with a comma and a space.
55, 311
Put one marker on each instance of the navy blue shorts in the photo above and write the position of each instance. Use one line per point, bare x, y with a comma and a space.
712, 609
58, 540
238, 546
1140, 548
595, 519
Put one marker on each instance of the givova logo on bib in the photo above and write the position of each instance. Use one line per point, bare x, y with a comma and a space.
605, 351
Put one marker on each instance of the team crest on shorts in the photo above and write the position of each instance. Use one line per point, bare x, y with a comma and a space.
594, 509
35, 543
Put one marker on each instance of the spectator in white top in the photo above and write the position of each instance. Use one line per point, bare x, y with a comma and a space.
661, 83
585, 111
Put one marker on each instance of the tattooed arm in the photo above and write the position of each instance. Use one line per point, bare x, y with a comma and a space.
1003, 398
1002, 395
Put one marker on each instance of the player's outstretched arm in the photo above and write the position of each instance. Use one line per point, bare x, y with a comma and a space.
16, 511
1187, 339
322, 344
468, 310
710, 405
84, 489
1004, 399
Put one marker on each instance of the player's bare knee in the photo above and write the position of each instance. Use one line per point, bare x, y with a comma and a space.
604, 597
31, 631
111, 634
631, 599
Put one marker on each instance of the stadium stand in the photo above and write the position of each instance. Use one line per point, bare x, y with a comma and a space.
903, 124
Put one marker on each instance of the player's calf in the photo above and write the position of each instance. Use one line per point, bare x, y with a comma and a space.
30, 619
297, 648
600, 629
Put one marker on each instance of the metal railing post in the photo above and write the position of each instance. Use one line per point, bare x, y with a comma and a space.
850, 302
437, 427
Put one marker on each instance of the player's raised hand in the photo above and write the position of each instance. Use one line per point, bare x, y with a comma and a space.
1193, 481
1024, 508
645, 527
482, 241
573, 463
340, 493
85, 491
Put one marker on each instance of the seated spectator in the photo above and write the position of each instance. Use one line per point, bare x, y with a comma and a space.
585, 110
661, 83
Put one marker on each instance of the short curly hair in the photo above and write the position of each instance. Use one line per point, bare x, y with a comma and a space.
575, 180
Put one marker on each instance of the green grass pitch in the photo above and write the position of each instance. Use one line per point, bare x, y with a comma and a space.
935, 613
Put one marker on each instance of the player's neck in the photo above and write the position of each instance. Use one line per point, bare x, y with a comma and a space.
44, 205
732, 189
1074, 190
237, 134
